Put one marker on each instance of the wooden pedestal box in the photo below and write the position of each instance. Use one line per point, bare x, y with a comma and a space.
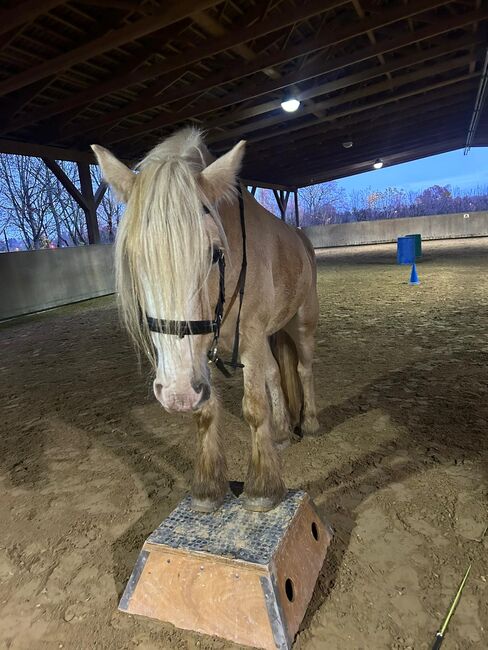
243, 576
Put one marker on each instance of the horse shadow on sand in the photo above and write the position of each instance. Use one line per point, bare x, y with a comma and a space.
440, 426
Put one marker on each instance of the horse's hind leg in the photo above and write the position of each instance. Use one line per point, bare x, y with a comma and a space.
264, 487
302, 330
210, 483
282, 432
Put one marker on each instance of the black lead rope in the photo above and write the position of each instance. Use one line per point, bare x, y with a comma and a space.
241, 282
188, 328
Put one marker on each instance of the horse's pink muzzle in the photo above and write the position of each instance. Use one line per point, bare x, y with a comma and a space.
182, 401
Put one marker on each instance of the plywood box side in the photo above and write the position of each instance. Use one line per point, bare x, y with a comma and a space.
299, 559
200, 594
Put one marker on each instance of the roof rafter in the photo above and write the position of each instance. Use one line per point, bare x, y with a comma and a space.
333, 134
25, 12
256, 89
294, 126
162, 18
184, 60
167, 120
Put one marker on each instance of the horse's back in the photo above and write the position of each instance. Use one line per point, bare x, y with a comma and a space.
283, 263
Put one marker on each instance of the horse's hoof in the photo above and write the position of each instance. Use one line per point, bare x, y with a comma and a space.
205, 506
310, 427
259, 504
282, 444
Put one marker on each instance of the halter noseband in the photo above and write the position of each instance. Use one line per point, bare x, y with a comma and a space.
182, 328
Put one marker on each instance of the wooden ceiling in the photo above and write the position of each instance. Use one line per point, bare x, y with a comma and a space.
398, 78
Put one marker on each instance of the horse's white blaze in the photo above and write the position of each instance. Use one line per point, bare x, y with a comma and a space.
178, 364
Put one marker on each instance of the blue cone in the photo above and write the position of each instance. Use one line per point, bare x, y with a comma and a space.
414, 278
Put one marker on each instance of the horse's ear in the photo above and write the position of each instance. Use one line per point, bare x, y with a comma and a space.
115, 173
218, 179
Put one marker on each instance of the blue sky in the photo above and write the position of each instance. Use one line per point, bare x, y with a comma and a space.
452, 168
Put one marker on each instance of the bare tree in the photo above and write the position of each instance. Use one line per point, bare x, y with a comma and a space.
24, 200
322, 203
68, 218
109, 211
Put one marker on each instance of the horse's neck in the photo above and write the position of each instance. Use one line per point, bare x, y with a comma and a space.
231, 222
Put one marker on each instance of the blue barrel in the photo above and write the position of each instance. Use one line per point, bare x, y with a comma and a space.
405, 250
418, 244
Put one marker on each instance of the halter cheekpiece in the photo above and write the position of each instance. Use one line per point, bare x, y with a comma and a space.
192, 327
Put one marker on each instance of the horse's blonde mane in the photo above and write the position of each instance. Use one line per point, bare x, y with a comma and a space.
161, 243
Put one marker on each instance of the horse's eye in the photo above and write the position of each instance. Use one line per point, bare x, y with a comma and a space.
215, 255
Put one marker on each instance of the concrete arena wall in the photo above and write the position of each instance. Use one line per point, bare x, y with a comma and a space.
34, 280
440, 226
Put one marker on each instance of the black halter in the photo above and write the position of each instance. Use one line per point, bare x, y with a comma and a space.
189, 328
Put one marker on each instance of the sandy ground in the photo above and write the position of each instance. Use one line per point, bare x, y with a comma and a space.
90, 464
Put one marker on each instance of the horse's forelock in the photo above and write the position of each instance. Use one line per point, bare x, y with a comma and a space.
186, 144
162, 252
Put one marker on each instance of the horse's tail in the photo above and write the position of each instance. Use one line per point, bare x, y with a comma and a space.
285, 353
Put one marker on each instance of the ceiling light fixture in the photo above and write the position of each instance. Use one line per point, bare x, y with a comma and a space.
290, 105
378, 163
347, 144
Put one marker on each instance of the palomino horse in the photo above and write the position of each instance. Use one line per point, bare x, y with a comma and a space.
183, 213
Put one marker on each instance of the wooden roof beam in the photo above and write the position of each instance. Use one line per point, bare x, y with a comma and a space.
25, 12
350, 80
443, 90
369, 153
376, 110
393, 159
391, 133
67, 183
342, 170
255, 30
167, 15
265, 86
334, 135
166, 119
182, 61
348, 121
296, 122
372, 148
122, 5
44, 151
372, 38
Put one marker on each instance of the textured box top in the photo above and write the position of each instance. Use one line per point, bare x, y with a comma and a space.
231, 531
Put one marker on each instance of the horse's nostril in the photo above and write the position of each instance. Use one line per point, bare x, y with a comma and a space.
205, 393
201, 388
158, 389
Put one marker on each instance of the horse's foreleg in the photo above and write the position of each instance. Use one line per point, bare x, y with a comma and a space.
264, 486
210, 483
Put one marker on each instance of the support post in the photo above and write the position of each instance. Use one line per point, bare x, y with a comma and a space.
90, 207
286, 196
100, 193
280, 202
297, 214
